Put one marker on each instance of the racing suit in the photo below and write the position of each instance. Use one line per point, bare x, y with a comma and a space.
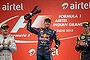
45, 39
6, 50
84, 50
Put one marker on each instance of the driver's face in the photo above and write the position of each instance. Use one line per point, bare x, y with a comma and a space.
86, 29
47, 24
4, 31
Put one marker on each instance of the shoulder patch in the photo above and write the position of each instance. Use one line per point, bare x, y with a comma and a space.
82, 37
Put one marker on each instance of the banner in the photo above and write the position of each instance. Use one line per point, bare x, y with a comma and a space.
66, 19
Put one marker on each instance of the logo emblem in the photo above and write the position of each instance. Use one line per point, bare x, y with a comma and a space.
31, 52
64, 6
82, 37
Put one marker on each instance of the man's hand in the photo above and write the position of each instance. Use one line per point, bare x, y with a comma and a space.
3, 42
81, 43
53, 49
8, 43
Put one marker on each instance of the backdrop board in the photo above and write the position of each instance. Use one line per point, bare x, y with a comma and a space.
66, 18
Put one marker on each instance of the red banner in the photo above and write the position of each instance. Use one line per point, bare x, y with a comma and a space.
67, 17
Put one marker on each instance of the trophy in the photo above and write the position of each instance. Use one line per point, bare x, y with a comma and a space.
36, 10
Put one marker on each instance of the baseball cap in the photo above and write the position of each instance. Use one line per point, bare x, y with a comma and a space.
3, 26
47, 20
86, 24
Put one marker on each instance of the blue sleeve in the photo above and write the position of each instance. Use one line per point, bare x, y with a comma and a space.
56, 39
32, 29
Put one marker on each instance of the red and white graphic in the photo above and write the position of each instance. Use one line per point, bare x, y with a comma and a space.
66, 19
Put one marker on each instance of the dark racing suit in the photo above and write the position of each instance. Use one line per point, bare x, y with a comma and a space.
45, 39
84, 50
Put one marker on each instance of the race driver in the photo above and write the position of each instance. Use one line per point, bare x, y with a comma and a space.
45, 38
7, 43
83, 42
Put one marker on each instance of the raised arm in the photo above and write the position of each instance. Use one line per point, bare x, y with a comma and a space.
32, 29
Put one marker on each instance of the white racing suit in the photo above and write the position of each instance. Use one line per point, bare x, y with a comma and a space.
6, 50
